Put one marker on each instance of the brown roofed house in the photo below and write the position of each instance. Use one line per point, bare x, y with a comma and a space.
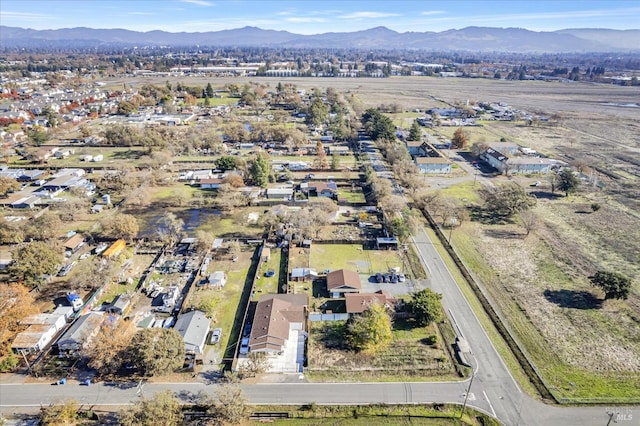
74, 243
276, 315
358, 303
343, 281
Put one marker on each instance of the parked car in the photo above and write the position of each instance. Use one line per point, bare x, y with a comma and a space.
379, 278
66, 269
168, 323
244, 346
215, 336
401, 278
270, 273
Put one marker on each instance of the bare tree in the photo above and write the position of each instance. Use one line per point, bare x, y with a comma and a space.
231, 405
529, 221
257, 363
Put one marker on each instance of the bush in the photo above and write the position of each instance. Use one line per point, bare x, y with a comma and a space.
430, 340
9, 363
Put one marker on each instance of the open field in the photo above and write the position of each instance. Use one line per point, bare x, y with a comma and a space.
430, 92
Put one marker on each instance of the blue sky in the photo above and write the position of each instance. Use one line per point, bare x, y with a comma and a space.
313, 17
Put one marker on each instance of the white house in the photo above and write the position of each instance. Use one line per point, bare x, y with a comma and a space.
193, 327
433, 165
42, 329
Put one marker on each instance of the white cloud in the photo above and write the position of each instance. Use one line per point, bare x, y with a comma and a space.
198, 2
23, 16
305, 20
142, 13
368, 15
432, 12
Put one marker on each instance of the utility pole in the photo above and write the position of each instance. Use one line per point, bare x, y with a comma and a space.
466, 397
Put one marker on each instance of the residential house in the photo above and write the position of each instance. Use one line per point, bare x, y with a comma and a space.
212, 183
80, 333
25, 202
193, 327
343, 281
506, 148
279, 193
41, 330
358, 303
433, 165
531, 165
279, 318
320, 189
416, 148
495, 159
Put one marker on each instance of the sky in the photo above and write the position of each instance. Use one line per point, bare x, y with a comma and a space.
314, 17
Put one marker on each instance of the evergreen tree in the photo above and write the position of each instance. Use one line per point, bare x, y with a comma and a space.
415, 133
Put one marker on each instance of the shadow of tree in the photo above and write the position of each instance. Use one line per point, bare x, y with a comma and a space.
575, 299
486, 216
128, 155
546, 195
503, 234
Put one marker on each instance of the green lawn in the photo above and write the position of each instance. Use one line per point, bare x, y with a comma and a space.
354, 257
229, 296
265, 285
219, 101
351, 196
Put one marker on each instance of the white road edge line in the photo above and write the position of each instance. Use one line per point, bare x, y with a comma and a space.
490, 405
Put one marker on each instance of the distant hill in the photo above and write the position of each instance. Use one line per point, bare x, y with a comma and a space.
478, 39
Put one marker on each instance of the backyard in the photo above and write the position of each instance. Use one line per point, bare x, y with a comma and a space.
415, 353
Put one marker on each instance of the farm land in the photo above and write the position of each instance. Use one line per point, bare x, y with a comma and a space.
586, 349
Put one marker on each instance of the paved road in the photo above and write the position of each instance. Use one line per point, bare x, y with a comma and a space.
492, 390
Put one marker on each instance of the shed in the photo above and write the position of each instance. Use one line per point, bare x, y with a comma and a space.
119, 305
74, 243
387, 243
265, 254
115, 249
303, 274
217, 279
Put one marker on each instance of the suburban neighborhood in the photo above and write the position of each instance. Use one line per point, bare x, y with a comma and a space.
242, 232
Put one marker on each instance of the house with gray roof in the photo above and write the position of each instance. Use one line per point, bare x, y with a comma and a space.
193, 327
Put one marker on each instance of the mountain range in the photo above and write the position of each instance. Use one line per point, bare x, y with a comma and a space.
477, 39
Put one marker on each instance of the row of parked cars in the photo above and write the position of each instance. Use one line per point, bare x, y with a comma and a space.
389, 277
